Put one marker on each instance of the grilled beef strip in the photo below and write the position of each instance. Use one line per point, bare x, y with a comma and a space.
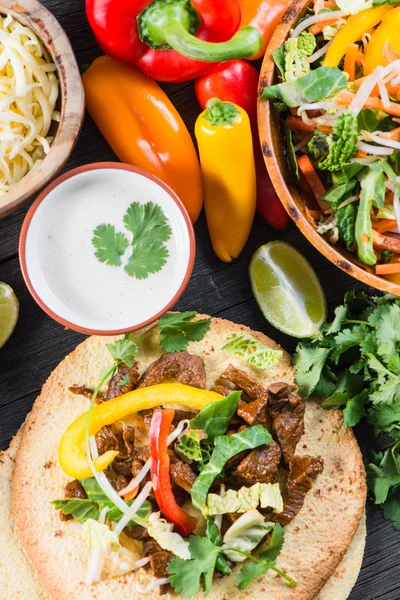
260, 465
244, 382
114, 389
123, 371
182, 475
286, 410
181, 367
159, 563
255, 413
81, 390
298, 483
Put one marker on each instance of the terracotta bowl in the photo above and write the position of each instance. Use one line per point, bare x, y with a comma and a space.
273, 147
72, 106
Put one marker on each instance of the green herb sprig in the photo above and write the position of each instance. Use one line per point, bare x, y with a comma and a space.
355, 365
149, 230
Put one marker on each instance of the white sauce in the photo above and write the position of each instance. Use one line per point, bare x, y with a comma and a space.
61, 261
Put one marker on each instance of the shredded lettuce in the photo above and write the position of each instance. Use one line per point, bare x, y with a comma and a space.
245, 534
99, 535
247, 498
161, 531
352, 7
247, 347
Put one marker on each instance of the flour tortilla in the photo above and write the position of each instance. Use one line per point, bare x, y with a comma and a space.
315, 542
22, 582
18, 580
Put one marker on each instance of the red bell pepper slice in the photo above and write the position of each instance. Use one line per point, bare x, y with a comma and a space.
159, 430
172, 40
237, 81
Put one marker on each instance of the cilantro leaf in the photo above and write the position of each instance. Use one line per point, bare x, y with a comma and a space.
123, 381
346, 339
355, 409
146, 258
391, 507
147, 223
178, 329
385, 418
388, 331
340, 318
186, 576
275, 544
123, 351
110, 246
251, 571
383, 473
309, 361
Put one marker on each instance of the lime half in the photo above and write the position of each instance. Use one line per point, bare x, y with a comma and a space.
287, 290
9, 309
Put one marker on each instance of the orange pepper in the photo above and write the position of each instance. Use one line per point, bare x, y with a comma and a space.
352, 57
143, 127
263, 15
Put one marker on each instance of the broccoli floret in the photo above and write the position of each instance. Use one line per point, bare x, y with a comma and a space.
318, 147
296, 52
342, 142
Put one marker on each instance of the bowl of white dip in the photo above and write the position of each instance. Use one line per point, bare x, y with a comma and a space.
106, 249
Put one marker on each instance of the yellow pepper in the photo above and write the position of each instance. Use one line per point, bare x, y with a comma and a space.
225, 143
356, 26
384, 40
71, 451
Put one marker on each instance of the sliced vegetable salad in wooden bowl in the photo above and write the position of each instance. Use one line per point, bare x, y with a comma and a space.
329, 119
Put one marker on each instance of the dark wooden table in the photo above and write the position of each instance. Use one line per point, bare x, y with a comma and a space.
39, 344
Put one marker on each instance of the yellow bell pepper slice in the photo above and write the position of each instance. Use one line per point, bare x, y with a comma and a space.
356, 26
387, 34
71, 451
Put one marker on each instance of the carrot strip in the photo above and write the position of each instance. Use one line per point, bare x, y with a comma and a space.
310, 175
346, 98
318, 27
352, 57
297, 123
389, 269
384, 242
361, 154
385, 225
130, 495
392, 135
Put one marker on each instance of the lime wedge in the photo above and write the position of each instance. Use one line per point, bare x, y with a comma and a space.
9, 309
287, 290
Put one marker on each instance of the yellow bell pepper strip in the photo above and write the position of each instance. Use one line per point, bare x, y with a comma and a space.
224, 138
387, 34
143, 127
356, 26
71, 451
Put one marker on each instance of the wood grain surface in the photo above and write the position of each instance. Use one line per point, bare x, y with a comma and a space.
39, 344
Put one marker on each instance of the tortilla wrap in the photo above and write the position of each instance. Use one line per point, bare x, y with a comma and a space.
315, 542
18, 579
24, 583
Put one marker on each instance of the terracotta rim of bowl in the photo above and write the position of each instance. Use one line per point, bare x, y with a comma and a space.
279, 181
44, 194
44, 24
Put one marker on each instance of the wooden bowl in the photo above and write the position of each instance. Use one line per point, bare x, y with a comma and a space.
273, 147
54, 38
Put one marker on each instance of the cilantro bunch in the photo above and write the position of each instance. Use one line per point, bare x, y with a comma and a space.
354, 364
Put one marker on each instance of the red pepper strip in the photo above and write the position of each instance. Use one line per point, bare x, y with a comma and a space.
159, 430
143, 32
265, 16
237, 81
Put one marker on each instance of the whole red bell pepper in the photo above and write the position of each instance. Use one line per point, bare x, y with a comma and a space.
159, 430
237, 81
172, 40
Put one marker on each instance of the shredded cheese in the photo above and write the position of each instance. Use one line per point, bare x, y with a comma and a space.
29, 90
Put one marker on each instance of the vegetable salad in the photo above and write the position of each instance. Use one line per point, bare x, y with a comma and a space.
339, 99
